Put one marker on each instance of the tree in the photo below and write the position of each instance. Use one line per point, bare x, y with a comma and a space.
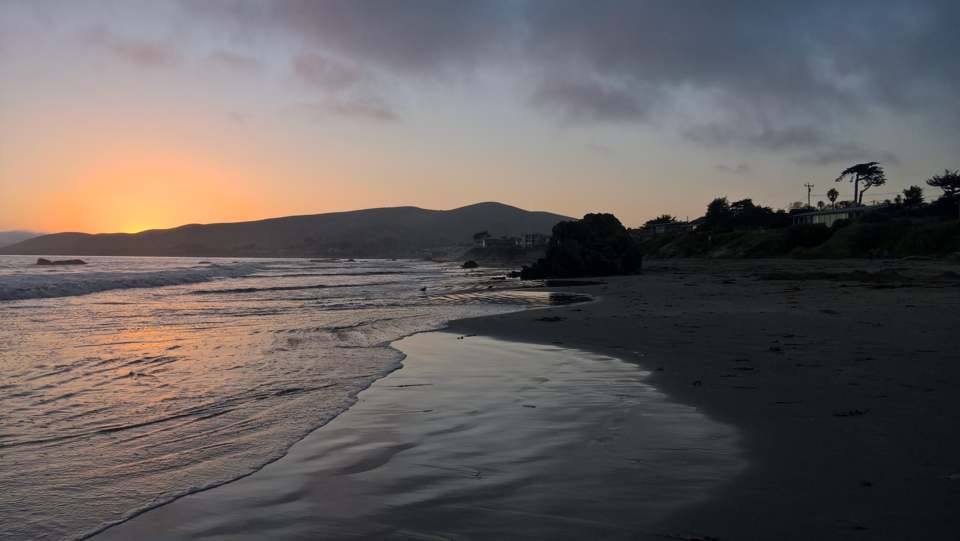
662, 219
820, 205
718, 213
913, 196
949, 182
870, 174
832, 195
481, 236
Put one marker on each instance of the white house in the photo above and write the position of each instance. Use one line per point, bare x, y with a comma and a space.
827, 217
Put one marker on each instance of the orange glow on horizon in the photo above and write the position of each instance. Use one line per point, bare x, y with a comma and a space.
130, 191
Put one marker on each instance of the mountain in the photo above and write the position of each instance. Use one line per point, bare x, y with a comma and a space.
381, 232
12, 237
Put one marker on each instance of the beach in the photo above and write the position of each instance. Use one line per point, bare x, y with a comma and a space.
826, 398
475, 438
844, 390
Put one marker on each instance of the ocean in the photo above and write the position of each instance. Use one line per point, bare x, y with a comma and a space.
131, 381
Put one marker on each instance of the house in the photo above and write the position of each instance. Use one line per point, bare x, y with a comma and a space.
534, 240
666, 228
828, 217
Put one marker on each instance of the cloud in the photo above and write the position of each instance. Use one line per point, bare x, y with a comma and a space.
847, 153
768, 138
580, 100
135, 51
235, 61
741, 168
328, 74
422, 36
615, 61
345, 89
369, 108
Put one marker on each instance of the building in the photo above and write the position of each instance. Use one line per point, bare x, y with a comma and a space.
534, 240
828, 217
666, 228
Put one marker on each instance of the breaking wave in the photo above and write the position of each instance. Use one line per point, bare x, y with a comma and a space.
39, 286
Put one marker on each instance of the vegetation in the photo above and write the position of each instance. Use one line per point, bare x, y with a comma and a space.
662, 219
832, 195
913, 196
949, 182
597, 245
744, 214
870, 174
907, 226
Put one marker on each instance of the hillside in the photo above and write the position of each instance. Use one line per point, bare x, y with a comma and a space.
381, 232
12, 237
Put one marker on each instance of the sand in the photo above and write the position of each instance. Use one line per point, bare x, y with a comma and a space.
476, 438
840, 391
847, 392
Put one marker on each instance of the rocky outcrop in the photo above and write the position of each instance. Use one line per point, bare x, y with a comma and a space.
597, 245
43, 261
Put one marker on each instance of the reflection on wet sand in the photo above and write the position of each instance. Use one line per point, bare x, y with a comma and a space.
476, 438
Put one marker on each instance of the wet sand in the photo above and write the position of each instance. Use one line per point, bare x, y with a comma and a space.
842, 390
845, 386
476, 438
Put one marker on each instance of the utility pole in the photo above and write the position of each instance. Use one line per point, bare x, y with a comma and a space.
809, 187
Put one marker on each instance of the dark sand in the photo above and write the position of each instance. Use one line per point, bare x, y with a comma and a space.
476, 438
845, 392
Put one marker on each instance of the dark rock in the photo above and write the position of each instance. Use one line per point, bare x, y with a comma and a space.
470, 264
597, 245
43, 261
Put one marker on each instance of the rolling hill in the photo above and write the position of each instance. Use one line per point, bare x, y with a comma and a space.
380, 232
12, 237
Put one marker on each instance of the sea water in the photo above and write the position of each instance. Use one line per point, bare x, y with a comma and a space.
130, 381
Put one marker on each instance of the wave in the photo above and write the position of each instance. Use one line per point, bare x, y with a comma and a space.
34, 286
282, 288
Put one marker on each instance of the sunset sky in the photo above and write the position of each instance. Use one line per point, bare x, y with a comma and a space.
129, 115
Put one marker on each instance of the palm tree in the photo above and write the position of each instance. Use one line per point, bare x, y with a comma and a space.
832, 195
869, 173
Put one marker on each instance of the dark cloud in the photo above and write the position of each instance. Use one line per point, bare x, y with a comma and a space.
138, 52
421, 36
344, 89
766, 137
789, 63
581, 100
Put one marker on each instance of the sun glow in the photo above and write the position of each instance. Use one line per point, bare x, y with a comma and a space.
134, 190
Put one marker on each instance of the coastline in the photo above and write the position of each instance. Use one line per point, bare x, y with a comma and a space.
811, 373
843, 388
475, 438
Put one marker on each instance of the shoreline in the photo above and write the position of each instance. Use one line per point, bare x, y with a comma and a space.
422, 454
837, 445
843, 390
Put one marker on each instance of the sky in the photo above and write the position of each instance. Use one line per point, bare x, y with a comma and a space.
120, 116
